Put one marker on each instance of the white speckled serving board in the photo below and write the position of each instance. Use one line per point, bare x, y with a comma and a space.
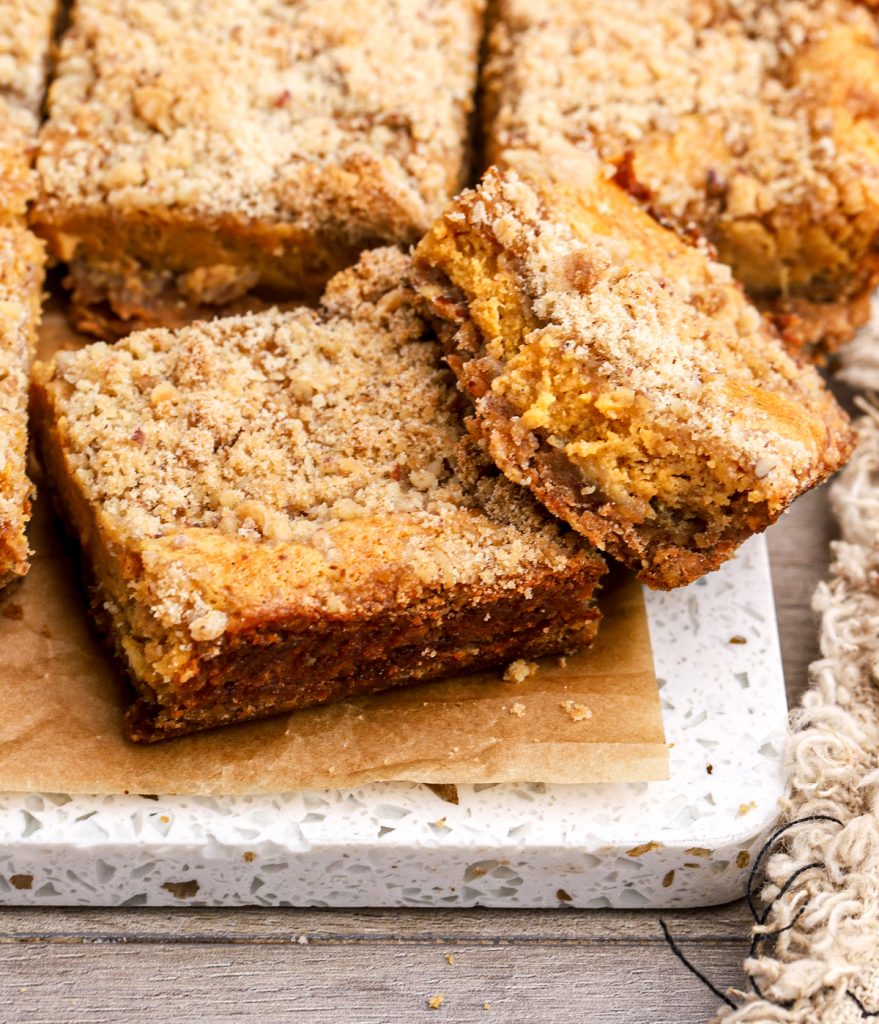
685, 842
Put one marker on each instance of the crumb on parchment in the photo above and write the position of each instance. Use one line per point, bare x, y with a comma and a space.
576, 712
519, 671
435, 1002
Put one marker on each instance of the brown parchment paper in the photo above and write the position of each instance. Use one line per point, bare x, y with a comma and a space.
61, 701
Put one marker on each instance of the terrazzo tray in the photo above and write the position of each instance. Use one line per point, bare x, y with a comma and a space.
685, 842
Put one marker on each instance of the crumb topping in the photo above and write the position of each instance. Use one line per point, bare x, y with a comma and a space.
758, 121
317, 112
25, 35
312, 429
628, 352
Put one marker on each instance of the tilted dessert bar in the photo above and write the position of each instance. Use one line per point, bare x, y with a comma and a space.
619, 373
754, 123
277, 510
198, 149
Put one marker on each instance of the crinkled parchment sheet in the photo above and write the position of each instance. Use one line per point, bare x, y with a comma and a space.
595, 719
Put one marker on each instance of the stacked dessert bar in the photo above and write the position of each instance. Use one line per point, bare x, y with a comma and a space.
419, 470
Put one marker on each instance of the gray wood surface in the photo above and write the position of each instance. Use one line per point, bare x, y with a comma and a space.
72, 966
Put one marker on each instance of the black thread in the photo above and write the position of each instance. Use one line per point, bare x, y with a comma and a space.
864, 1011
764, 849
755, 949
761, 919
693, 970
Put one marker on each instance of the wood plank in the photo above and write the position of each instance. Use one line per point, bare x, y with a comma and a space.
259, 926
42, 984
799, 550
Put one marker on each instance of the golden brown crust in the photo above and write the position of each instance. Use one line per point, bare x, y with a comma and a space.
274, 497
755, 122
620, 374
194, 150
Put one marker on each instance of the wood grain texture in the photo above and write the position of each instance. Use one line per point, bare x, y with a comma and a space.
79, 966
222, 983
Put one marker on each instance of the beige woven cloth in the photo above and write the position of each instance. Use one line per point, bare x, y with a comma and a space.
822, 963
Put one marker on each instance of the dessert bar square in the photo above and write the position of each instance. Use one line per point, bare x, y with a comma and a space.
756, 124
21, 276
199, 149
26, 28
278, 510
25, 35
620, 374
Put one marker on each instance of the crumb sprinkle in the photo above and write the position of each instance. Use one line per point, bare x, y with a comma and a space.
519, 671
576, 712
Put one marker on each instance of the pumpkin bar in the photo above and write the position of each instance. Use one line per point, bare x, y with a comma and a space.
755, 124
279, 510
620, 374
21, 276
25, 35
26, 28
200, 150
